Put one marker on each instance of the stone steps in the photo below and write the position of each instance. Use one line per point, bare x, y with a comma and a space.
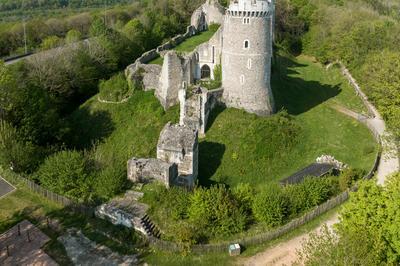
150, 228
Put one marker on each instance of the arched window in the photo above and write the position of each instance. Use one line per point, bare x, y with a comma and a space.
246, 44
249, 63
242, 79
205, 72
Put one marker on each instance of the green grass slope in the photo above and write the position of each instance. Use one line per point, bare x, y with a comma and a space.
190, 44
235, 151
241, 147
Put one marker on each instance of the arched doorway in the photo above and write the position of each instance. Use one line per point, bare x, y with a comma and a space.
205, 72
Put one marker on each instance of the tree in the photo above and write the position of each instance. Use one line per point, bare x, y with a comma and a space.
14, 153
368, 232
271, 206
73, 36
66, 173
51, 42
216, 211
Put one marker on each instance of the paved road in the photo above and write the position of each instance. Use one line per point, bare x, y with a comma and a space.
5, 187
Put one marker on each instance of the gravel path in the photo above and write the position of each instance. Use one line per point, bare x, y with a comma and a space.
285, 253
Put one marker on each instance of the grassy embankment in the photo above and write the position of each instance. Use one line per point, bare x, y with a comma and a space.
229, 153
190, 44
236, 142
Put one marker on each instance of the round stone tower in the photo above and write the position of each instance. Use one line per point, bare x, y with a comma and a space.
246, 56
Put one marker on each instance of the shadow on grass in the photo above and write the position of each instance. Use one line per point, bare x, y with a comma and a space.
88, 127
294, 94
213, 116
210, 158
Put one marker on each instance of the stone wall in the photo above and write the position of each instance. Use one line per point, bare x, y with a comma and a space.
209, 53
211, 12
196, 109
171, 80
179, 144
145, 170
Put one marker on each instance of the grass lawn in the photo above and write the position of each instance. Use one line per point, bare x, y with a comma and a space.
190, 44
158, 61
233, 150
122, 131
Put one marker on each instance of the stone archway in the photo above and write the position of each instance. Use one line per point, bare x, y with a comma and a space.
205, 72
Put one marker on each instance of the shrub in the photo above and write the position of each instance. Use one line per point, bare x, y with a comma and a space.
215, 210
271, 206
115, 89
348, 177
14, 153
310, 193
110, 181
244, 194
66, 173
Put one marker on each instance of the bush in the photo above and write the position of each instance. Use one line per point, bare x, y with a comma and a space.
244, 194
348, 177
216, 211
110, 181
66, 173
16, 154
115, 89
271, 206
310, 193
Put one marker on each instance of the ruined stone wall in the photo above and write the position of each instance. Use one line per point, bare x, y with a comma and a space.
209, 53
179, 144
214, 12
145, 170
196, 110
171, 80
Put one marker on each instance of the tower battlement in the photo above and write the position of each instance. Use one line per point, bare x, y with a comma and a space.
250, 7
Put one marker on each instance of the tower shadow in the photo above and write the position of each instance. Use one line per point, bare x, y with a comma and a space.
210, 158
295, 94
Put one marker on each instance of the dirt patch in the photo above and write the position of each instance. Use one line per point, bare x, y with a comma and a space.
286, 252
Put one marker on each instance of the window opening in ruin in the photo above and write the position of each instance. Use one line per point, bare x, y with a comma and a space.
242, 79
205, 72
213, 54
246, 44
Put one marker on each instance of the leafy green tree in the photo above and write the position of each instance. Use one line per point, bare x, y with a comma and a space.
368, 232
66, 173
216, 210
14, 153
73, 36
271, 206
51, 42
382, 84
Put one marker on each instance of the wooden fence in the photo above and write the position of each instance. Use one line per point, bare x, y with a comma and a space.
54, 197
269, 235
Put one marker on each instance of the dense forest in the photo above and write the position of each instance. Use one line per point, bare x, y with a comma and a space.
8, 5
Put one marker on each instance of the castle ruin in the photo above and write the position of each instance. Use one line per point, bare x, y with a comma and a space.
241, 47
